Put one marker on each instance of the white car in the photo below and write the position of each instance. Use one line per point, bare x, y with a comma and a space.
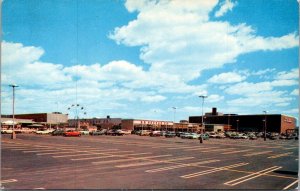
84, 132
44, 132
125, 132
6, 131
212, 135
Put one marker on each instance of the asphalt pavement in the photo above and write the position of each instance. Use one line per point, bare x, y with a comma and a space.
134, 162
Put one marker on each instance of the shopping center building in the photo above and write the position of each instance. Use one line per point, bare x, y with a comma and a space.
274, 122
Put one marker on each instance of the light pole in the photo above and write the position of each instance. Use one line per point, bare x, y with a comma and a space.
77, 107
174, 108
13, 135
203, 97
265, 126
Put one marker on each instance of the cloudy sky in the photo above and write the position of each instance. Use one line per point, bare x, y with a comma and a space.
138, 59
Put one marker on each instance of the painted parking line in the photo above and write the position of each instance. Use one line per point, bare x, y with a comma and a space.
8, 181
184, 147
251, 176
153, 162
40, 151
100, 157
233, 152
290, 185
257, 153
78, 151
130, 159
30, 149
180, 166
83, 153
214, 150
217, 169
290, 148
280, 155
90, 153
201, 148
14, 147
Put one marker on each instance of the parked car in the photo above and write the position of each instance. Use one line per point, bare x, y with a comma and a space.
290, 137
145, 133
135, 132
155, 134
193, 136
273, 137
283, 136
84, 132
243, 136
72, 133
119, 132
58, 132
185, 135
204, 136
44, 132
126, 132
98, 132
163, 133
6, 131
252, 137
220, 136
178, 133
170, 134
212, 135
111, 132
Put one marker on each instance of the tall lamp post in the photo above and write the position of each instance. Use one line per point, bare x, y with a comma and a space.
13, 135
265, 126
237, 125
203, 97
174, 108
77, 109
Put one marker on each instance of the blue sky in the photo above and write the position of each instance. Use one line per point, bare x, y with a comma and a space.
138, 59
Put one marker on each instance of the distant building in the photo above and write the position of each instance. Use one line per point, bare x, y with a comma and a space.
185, 126
48, 119
145, 124
99, 123
275, 122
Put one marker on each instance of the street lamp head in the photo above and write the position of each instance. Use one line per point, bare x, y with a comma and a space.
174, 107
203, 96
265, 112
13, 85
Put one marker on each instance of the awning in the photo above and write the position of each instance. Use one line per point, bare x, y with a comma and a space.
36, 125
9, 122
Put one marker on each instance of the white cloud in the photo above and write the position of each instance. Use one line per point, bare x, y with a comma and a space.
214, 98
263, 72
154, 98
246, 88
180, 39
225, 7
295, 92
105, 85
284, 82
286, 75
224, 78
262, 99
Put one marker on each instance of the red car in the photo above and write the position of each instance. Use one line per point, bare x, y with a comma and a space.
72, 133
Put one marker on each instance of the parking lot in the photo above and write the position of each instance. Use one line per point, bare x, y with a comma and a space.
137, 162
